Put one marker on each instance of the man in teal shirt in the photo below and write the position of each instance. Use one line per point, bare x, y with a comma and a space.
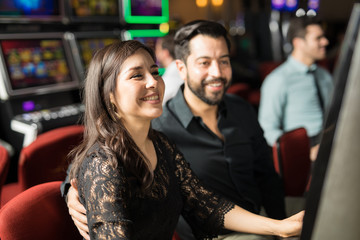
289, 96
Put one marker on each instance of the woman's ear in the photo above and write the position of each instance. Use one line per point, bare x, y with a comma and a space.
114, 107
112, 99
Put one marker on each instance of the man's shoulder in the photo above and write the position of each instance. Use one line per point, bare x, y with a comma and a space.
238, 106
233, 101
279, 74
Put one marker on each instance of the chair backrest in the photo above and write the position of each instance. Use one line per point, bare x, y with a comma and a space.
45, 159
4, 166
265, 68
239, 89
291, 155
38, 213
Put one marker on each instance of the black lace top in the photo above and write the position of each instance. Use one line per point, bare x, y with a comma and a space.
115, 212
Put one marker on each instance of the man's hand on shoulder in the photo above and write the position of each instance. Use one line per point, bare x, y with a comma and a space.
76, 210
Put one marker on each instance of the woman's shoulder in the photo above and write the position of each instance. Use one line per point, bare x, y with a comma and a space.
95, 152
97, 159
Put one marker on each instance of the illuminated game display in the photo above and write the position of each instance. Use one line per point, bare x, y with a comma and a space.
30, 11
85, 44
89, 46
146, 11
35, 64
93, 11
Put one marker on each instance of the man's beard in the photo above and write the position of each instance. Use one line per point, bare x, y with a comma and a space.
200, 92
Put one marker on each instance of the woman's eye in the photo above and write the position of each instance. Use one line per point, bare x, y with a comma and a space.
136, 76
155, 73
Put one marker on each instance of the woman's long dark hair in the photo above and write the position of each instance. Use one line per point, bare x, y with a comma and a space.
100, 119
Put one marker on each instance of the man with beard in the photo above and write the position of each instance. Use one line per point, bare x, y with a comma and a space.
297, 93
219, 134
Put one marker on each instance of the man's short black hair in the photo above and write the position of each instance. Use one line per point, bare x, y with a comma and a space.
298, 25
194, 28
167, 42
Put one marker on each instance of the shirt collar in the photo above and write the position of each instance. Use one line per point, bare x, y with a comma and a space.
179, 106
300, 66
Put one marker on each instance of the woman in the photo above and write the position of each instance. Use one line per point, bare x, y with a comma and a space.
133, 182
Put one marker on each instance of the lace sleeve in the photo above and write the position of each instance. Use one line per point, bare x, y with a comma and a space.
204, 210
103, 191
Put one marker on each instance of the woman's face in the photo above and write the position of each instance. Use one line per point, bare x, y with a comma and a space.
139, 88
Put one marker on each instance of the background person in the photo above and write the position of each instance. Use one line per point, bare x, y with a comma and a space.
290, 97
164, 50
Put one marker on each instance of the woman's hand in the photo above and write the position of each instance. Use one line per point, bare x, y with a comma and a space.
291, 226
77, 210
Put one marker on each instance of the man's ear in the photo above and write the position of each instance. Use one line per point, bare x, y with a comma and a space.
181, 66
297, 42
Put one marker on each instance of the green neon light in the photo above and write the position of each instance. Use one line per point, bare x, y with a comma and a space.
130, 34
129, 18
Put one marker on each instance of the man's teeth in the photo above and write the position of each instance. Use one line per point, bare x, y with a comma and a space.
215, 84
151, 98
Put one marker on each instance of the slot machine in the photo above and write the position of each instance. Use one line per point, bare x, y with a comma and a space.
83, 45
39, 85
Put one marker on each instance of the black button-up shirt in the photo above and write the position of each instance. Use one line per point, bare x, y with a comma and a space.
240, 167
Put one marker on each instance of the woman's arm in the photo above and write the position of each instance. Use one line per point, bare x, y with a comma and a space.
240, 220
103, 190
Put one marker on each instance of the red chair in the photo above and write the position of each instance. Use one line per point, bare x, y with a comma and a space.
44, 160
291, 155
239, 89
175, 236
267, 67
4, 166
38, 213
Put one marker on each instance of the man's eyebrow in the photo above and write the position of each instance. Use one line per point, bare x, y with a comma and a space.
207, 57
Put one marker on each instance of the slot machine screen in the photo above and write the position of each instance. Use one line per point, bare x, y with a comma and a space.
85, 44
35, 63
146, 11
30, 11
93, 11
148, 37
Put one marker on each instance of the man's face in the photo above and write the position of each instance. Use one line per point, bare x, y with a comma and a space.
208, 69
314, 43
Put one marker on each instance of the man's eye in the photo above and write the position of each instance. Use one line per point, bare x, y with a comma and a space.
204, 63
225, 62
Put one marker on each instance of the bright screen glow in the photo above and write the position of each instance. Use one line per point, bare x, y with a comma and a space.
29, 8
89, 8
146, 11
35, 63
